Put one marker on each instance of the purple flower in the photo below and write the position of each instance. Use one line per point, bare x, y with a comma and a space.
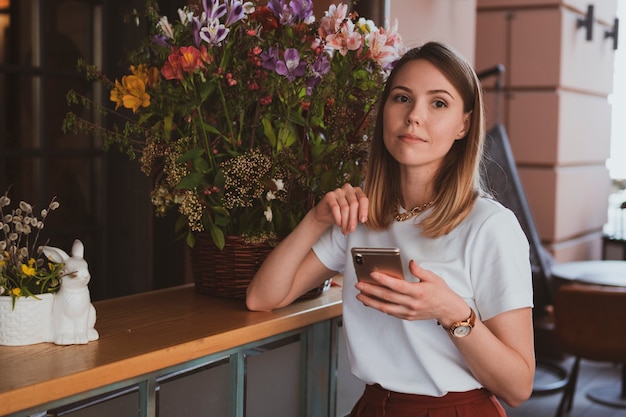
269, 59
235, 12
303, 10
275, 6
214, 32
293, 11
215, 11
196, 24
160, 40
291, 67
320, 67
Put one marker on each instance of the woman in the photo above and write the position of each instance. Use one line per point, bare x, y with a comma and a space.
457, 331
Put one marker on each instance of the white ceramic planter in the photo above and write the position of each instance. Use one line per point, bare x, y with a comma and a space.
28, 323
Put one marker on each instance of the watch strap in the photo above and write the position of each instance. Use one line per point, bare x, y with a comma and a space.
468, 323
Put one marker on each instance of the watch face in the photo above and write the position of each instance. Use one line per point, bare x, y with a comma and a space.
461, 331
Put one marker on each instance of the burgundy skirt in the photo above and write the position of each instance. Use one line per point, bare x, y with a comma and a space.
379, 402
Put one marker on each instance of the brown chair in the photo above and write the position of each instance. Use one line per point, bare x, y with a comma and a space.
590, 324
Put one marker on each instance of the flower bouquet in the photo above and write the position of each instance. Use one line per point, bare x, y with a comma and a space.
28, 281
24, 270
246, 114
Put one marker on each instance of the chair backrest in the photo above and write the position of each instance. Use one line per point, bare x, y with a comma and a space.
503, 181
589, 321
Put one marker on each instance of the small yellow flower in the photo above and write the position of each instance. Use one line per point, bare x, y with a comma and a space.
28, 270
16, 292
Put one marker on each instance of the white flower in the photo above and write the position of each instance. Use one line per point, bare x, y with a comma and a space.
166, 27
280, 185
268, 214
185, 15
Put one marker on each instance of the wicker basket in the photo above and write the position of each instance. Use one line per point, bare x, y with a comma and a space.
227, 273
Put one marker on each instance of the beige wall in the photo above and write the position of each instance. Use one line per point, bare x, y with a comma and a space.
450, 21
556, 112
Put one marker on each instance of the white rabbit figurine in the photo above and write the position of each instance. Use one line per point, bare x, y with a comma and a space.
73, 315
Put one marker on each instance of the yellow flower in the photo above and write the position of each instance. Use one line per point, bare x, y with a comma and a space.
29, 270
16, 292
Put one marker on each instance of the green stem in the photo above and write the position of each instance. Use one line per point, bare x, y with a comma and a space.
226, 113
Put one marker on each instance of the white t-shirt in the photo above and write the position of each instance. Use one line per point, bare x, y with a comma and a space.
485, 260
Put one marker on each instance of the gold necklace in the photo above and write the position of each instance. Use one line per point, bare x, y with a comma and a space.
401, 217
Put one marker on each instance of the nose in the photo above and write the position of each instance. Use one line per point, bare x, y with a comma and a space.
414, 116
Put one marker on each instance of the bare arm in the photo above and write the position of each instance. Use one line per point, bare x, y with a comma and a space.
500, 351
292, 268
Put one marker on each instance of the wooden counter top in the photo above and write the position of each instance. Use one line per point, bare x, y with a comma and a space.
144, 333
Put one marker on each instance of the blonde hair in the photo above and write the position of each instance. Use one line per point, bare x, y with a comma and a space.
457, 183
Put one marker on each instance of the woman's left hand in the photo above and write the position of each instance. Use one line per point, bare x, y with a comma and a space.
428, 299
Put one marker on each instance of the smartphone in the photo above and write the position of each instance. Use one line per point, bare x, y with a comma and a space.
386, 260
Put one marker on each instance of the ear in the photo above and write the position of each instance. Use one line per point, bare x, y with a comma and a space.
78, 250
55, 254
466, 125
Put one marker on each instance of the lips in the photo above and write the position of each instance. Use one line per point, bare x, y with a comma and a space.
407, 137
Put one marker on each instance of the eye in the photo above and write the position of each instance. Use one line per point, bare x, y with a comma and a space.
401, 98
440, 104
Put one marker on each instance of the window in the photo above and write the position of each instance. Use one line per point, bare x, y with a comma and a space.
104, 197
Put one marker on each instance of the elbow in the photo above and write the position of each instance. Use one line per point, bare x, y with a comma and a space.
516, 398
254, 304
515, 401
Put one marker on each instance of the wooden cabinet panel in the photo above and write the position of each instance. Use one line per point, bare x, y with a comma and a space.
192, 394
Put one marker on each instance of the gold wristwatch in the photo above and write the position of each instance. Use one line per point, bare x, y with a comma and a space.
464, 327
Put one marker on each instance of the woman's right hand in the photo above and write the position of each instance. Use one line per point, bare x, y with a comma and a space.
345, 207
292, 268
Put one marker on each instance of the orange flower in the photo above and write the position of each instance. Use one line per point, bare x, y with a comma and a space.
117, 94
135, 95
190, 59
150, 76
171, 70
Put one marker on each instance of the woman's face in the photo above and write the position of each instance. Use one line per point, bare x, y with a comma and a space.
422, 117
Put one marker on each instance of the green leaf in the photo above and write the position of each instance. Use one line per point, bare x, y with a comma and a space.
218, 237
180, 223
201, 165
268, 130
286, 137
191, 154
191, 181
190, 240
210, 128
